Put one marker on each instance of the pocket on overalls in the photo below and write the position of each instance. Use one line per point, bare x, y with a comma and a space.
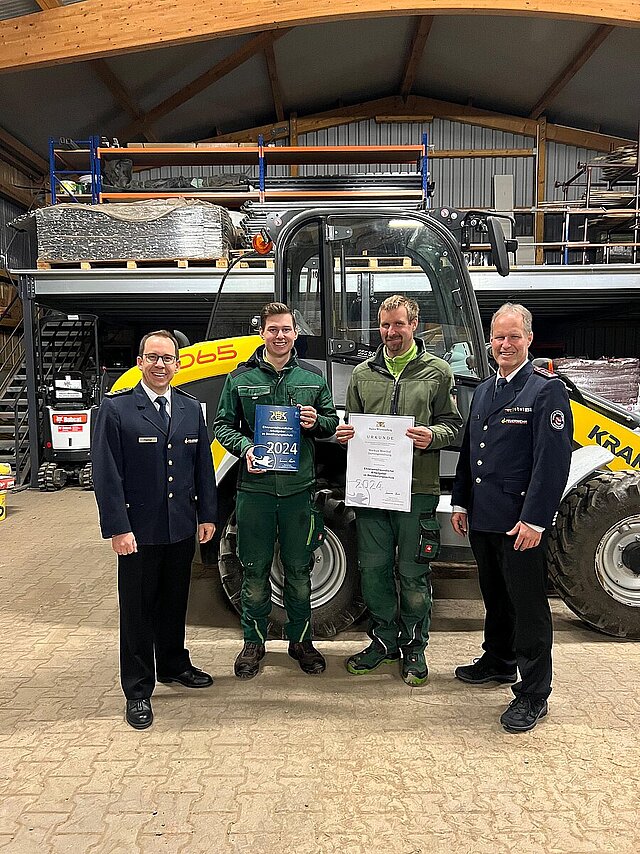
428, 540
316, 529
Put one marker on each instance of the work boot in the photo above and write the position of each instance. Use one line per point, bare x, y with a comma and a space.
482, 671
523, 713
307, 656
369, 659
414, 668
247, 664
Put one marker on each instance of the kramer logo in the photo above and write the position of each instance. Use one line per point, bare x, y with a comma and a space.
611, 443
278, 415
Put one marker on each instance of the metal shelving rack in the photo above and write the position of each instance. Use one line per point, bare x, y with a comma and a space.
592, 212
89, 155
84, 162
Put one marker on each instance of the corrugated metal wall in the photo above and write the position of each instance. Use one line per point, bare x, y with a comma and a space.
463, 182
17, 247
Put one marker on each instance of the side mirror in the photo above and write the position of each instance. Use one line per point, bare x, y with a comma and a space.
498, 244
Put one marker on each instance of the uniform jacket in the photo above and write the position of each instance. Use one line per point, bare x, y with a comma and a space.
159, 486
516, 452
257, 382
424, 390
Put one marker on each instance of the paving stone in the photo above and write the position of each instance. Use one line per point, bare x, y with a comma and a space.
288, 764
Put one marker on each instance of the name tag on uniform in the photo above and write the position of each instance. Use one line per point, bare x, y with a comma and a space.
147, 438
189, 441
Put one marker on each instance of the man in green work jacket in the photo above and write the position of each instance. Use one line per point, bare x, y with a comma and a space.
402, 379
274, 506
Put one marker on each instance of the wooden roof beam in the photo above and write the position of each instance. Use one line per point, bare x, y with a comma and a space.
92, 29
249, 49
121, 94
49, 4
22, 154
16, 194
424, 109
416, 49
582, 56
274, 80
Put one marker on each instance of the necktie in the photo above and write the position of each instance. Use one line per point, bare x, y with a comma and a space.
501, 385
164, 415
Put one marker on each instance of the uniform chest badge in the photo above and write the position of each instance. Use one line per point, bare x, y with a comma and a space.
190, 441
147, 438
556, 419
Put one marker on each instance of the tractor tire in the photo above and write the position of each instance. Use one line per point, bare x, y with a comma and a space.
594, 553
336, 601
85, 477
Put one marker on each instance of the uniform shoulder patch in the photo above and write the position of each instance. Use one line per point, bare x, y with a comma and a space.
119, 392
557, 419
543, 372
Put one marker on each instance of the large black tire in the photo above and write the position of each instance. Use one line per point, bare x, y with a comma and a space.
594, 553
336, 601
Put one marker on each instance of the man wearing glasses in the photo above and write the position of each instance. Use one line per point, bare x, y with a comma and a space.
155, 486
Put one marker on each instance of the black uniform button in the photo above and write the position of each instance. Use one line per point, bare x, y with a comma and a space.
482, 444
170, 462
170, 479
478, 480
479, 462
171, 495
169, 446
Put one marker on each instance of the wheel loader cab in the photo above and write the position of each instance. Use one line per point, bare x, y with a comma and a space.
336, 270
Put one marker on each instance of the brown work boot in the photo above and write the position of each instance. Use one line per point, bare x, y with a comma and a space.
247, 664
307, 656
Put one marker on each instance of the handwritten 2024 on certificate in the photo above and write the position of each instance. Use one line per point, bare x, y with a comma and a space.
380, 462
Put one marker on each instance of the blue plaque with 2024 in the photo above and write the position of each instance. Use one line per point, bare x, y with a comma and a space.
277, 438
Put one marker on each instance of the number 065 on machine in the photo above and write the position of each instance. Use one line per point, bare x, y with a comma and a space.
380, 462
277, 438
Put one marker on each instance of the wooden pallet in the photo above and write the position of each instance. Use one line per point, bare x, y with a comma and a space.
145, 263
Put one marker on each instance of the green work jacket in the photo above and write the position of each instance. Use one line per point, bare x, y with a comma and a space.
257, 382
424, 389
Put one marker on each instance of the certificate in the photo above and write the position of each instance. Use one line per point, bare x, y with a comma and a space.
380, 462
277, 438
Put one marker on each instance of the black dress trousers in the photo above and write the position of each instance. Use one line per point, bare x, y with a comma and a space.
518, 627
153, 590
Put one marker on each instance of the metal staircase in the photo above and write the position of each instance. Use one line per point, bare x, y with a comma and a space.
64, 344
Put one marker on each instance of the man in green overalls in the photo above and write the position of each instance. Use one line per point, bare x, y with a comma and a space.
402, 379
275, 506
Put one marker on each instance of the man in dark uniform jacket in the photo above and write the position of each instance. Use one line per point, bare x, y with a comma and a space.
154, 484
513, 468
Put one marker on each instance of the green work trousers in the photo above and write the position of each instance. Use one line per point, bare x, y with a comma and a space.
263, 520
400, 614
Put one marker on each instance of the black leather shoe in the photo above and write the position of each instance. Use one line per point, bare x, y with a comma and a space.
481, 672
139, 713
308, 657
190, 678
247, 663
523, 713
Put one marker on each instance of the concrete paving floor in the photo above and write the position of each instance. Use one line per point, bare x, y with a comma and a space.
287, 762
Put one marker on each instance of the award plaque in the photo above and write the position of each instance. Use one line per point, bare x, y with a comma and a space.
277, 438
